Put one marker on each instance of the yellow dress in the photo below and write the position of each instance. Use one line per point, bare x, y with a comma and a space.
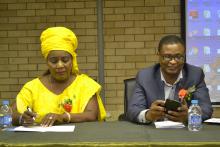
42, 101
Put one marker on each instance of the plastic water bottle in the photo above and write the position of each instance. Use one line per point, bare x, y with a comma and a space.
1, 118
7, 114
194, 116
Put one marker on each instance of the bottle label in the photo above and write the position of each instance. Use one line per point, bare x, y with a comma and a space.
7, 119
195, 119
1, 120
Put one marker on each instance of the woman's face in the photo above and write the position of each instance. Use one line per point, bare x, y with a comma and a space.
60, 64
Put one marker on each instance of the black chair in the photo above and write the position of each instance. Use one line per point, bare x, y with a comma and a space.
128, 90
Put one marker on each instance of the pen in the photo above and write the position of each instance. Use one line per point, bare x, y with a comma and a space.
29, 109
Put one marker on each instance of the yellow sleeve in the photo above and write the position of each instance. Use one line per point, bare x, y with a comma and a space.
102, 112
91, 88
24, 98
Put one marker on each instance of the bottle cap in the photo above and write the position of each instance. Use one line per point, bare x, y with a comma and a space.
5, 102
194, 101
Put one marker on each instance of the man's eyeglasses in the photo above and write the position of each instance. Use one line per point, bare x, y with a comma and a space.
177, 58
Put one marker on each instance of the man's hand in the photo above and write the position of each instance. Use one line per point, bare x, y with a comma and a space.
157, 111
181, 115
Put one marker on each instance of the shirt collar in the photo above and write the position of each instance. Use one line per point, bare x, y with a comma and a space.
180, 76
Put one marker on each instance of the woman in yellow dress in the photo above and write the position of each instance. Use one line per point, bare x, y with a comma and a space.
62, 94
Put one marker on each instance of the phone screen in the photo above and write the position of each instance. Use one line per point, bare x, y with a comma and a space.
172, 105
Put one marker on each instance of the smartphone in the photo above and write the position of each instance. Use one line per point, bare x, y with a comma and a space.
172, 105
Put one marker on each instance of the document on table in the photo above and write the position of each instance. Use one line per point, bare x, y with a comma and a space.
168, 124
60, 128
213, 120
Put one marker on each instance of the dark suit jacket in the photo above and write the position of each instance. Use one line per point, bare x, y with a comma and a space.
149, 87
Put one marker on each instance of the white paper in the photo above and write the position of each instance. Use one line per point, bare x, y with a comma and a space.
168, 124
45, 129
213, 120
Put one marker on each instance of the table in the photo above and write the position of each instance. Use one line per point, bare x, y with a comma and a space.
116, 133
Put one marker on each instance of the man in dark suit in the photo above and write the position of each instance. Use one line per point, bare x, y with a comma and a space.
164, 80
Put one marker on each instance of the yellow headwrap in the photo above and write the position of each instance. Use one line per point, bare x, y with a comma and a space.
60, 38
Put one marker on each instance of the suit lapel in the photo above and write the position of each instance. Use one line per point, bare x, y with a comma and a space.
180, 85
160, 90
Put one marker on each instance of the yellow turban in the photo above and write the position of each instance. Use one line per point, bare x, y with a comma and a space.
59, 38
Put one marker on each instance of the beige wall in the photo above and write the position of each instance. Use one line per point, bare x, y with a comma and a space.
132, 29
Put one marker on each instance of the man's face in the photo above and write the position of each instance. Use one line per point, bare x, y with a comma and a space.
172, 58
60, 65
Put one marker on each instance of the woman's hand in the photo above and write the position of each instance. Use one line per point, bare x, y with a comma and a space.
52, 118
27, 118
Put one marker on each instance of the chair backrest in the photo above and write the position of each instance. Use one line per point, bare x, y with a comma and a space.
128, 91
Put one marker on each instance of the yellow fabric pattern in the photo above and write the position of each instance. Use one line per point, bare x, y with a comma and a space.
59, 38
42, 101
